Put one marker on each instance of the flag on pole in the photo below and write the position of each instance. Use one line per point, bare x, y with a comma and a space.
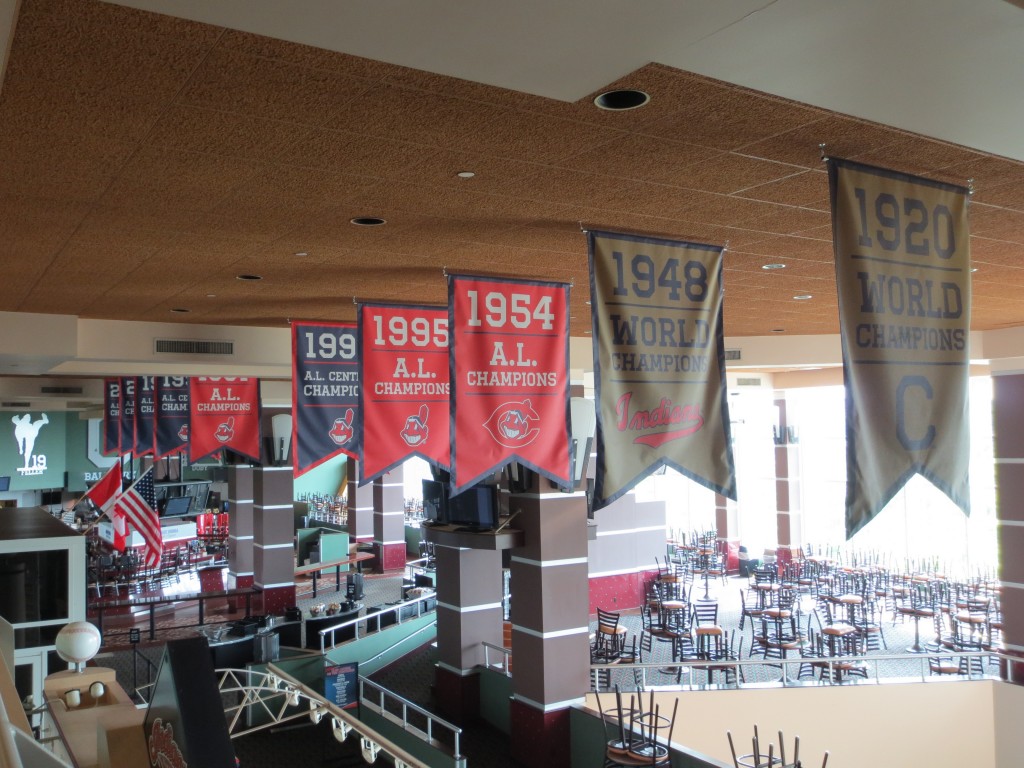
106, 489
138, 505
103, 494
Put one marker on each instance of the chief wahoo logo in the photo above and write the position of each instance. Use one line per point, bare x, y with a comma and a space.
513, 424
342, 430
415, 431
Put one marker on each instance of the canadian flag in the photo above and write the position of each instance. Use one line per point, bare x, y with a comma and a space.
103, 494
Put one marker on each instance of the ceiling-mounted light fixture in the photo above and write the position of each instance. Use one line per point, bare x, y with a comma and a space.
773, 266
465, 174
249, 277
367, 221
622, 99
802, 297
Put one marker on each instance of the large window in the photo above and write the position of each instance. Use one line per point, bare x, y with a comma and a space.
920, 525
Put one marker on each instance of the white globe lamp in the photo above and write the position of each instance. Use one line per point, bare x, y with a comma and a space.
78, 642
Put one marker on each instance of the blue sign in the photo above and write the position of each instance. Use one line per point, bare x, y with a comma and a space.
341, 684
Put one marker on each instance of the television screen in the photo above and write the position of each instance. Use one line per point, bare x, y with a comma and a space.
475, 508
5, 483
435, 501
176, 506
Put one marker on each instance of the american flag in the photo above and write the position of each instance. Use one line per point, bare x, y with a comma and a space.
138, 504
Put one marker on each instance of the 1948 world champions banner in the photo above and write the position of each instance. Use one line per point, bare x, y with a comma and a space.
659, 362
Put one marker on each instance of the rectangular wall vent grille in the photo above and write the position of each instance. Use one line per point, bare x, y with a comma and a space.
195, 347
15, 404
61, 390
748, 382
733, 354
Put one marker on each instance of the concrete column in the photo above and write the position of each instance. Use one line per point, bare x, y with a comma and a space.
727, 527
787, 488
550, 623
273, 537
389, 521
360, 505
469, 612
1008, 417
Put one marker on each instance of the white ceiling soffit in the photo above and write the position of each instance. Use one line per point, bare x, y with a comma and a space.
943, 68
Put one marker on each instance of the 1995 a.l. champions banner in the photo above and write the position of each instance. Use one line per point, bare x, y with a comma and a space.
658, 363
903, 278
404, 393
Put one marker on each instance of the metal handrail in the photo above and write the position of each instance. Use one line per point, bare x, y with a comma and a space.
503, 664
829, 662
354, 623
405, 639
408, 706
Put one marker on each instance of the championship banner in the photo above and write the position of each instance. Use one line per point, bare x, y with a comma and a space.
111, 416
325, 397
145, 414
127, 415
403, 400
509, 377
903, 279
171, 419
224, 412
659, 363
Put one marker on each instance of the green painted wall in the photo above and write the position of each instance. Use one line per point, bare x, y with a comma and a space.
326, 479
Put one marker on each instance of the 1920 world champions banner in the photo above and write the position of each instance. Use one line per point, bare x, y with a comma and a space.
509, 377
903, 278
325, 397
656, 308
404, 392
111, 416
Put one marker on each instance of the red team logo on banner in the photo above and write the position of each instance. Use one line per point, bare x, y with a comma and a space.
510, 377
404, 399
224, 413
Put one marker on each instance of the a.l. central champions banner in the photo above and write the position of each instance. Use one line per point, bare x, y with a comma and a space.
111, 416
127, 415
903, 278
325, 400
658, 363
224, 412
404, 393
509, 377
145, 414
172, 412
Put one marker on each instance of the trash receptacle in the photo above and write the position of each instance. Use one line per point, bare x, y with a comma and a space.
267, 647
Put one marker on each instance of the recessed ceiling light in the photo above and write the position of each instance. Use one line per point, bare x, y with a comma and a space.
587, 302
367, 221
773, 266
974, 269
180, 310
622, 99
302, 253
778, 330
250, 277
802, 297
465, 174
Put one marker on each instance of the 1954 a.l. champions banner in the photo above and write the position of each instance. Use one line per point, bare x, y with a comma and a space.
659, 363
903, 278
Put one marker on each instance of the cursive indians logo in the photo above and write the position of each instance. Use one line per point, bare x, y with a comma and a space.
164, 751
415, 431
662, 424
513, 424
25, 433
342, 430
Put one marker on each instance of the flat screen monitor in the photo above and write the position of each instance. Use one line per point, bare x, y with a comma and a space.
176, 506
5, 483
435, 501
475, 508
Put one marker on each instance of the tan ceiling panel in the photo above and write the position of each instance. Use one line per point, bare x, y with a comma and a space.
271, 89
728, 118
806, 189
224, 133
147, 161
